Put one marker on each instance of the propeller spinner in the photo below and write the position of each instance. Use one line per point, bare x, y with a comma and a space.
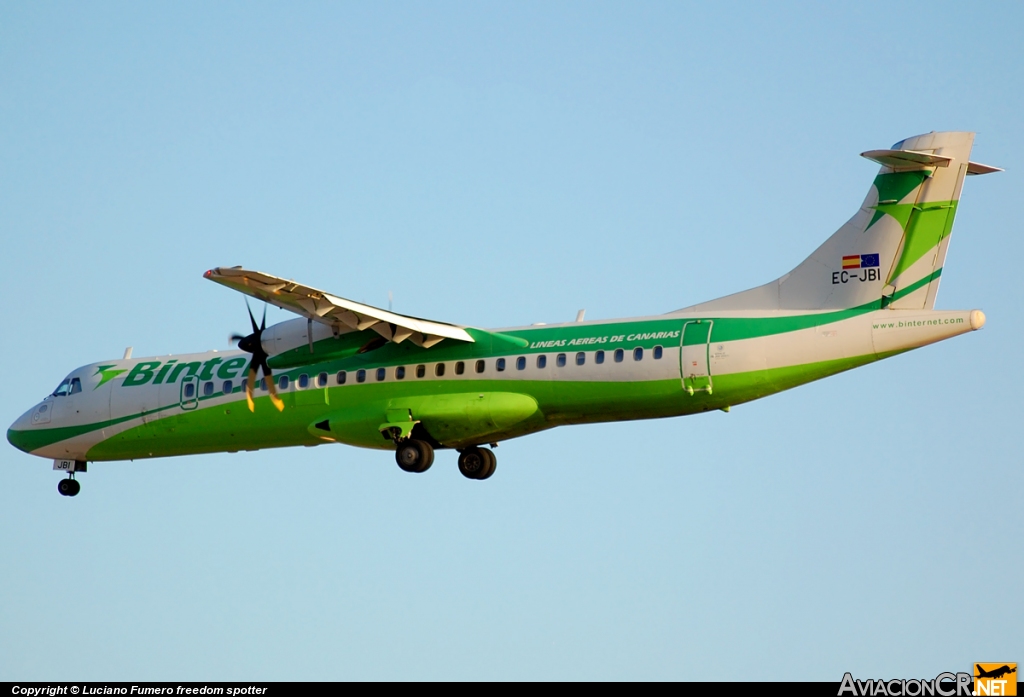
253, 344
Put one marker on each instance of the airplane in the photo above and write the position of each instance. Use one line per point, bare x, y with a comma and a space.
346, 372
996, 672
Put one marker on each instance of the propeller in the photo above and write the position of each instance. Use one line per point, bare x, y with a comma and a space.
254, 344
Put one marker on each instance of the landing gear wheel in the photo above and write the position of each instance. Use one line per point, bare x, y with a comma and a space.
477, 463
68, 487
492, 463
472, 462
414, 456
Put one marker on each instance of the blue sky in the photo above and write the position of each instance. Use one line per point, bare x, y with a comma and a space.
498, 165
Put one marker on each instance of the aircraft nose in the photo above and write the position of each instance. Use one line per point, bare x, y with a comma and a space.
17, 434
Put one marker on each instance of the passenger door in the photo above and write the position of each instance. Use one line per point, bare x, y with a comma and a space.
189, 393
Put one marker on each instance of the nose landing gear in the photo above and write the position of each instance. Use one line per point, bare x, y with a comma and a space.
69, 487
477, 463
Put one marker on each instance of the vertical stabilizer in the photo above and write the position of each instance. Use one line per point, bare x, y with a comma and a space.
891, 252
912, 281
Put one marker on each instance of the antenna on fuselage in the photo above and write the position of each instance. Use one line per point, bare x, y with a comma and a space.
127, 353
579, 315
391, 299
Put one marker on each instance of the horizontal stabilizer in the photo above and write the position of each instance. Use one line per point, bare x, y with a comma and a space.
974, 168
906, 159
338, 313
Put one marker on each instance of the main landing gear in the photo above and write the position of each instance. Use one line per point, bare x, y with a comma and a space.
69, 487
414, 455
477, 463
417, 456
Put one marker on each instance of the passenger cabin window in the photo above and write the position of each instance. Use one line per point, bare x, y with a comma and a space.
658, 353
228, 387
599, 357
321, 380
619, 354
581, 358
207, 389
421, 370
190, 390
62, 389
341, 377
283, 382
460, 368
521, 363
303, 381
638, 354
560, 360
500, 364
480, 365
400, 373
439, 369
360, 376
542, 361
263, 384
381, 374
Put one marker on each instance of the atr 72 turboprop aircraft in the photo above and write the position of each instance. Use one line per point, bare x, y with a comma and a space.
349, 373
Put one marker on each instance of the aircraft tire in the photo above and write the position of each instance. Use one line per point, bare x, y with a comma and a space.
414, 456
473, 462
68, 487
428, 455
492, 463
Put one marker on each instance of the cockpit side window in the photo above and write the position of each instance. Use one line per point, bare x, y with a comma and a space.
76, 386
62, 389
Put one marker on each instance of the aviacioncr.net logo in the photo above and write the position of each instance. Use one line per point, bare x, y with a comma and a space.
943, 685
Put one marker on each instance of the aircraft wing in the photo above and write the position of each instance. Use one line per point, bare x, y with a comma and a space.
340, 314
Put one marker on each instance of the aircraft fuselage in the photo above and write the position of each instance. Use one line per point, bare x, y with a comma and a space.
504, 385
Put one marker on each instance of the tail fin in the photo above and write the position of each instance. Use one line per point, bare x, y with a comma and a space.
892, 251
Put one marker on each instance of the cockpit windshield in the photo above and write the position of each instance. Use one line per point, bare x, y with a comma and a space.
68, 386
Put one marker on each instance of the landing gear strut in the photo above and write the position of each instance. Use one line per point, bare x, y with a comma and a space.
68, 487
477, 463
414, 455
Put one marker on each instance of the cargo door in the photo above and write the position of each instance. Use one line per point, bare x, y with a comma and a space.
694, 348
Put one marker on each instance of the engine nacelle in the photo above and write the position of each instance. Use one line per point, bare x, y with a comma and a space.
288, 345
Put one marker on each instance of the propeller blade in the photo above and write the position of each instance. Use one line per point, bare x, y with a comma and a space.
250, 383
263, 325
252, 320
235, 338
274, 399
